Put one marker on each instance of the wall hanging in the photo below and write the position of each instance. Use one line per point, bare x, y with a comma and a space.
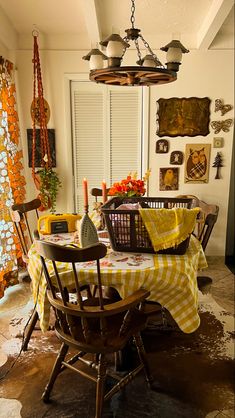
176, 157
219, 106
218, 163
38, 154
221, 125
46, 179
197, 160
169, 178
183, 116
218, 142
162, 146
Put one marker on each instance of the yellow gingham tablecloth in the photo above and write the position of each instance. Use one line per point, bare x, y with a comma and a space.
171, 279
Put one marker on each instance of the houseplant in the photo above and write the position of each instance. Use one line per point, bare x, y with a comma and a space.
48, 184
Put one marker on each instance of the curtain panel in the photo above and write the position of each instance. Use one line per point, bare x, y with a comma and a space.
12, 181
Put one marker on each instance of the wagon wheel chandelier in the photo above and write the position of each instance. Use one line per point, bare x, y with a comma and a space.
149, 70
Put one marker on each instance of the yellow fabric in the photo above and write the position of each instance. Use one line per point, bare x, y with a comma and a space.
172, 281
168, 227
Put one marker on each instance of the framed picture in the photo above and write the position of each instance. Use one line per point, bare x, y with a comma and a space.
197, 162
38, 157
169, 178
162, 146
176, 157
183, 116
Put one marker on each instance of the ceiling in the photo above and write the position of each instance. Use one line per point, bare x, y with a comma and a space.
79, 24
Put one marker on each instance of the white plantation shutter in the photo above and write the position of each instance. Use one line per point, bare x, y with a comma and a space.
125, 140
106, 135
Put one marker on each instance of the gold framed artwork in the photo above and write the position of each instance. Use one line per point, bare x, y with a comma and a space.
183, 116
169, 178
197, 162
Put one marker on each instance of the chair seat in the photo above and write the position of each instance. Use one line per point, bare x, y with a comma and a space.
110, 342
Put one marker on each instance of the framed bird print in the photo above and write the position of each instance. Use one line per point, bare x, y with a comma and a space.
197, 162
169, 178
183, 116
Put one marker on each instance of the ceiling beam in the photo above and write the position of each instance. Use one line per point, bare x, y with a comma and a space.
91, 20
212, 23
8, 35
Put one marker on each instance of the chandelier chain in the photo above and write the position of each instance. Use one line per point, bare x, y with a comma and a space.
146, 44
138, 49
133, 13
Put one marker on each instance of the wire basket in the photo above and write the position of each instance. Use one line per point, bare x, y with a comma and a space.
127, 232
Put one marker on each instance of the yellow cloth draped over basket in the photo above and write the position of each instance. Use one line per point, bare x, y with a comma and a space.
168, 227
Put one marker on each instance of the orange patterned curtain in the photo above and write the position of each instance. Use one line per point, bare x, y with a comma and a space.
12, 181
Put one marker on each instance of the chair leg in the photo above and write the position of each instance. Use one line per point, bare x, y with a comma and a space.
101, 377
29, 330
142, 355
55, 371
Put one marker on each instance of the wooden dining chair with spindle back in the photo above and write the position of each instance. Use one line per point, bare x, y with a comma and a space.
20, 216
94, 326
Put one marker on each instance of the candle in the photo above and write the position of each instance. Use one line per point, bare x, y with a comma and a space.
85, 192
104, 191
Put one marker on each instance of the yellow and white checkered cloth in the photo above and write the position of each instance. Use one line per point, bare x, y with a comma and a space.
168, 227
171, 279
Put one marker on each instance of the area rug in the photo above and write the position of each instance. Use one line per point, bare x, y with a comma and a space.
193, 373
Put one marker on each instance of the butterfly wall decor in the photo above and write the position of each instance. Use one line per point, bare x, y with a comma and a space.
221, 125
222, 107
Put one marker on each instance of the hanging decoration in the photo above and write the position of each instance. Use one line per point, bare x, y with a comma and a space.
221, 125
224, 108
45, 179
218, 163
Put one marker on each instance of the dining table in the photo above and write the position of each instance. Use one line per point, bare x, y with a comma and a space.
171, 279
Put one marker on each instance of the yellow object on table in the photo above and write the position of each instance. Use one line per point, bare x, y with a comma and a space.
171, 279
169, 227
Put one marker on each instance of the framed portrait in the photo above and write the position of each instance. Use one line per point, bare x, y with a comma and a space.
169, 178
38, 157
197, 162
183, 116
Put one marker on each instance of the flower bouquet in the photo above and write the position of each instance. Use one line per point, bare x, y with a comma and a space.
130, 186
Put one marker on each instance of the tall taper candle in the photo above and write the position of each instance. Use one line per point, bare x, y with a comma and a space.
85, 192
104, 191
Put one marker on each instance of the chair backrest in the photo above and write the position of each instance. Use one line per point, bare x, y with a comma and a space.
96, 192
209, 215
75, 314
19, 215
206, 219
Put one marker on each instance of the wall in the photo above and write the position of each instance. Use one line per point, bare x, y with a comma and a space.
202, 74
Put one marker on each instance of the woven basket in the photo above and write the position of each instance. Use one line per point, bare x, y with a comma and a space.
127, 232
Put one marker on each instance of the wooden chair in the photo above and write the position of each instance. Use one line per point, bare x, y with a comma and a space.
96, 192
93, 326
19, 215
203, 230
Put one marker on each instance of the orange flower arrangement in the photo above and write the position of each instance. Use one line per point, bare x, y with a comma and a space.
130, 186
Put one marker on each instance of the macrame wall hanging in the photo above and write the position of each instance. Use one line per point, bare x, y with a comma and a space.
45, 179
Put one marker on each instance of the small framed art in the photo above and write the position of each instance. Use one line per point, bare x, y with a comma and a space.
176, 157
38, 157
162, 146
197, 162
169, 178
